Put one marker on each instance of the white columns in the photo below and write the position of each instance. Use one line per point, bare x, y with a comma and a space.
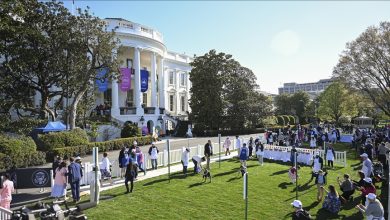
177, 81
137, 81
188, 92
153, 81
115, 98
162, 83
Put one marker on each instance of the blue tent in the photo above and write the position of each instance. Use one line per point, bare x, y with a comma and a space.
54, 126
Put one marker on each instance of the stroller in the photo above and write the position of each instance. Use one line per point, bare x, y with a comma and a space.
378, 171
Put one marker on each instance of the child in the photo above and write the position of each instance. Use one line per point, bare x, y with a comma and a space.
292, 173
320, 181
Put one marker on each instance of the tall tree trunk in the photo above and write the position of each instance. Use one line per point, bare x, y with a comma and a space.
73, 107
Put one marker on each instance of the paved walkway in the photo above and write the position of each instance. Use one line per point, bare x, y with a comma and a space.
23, 197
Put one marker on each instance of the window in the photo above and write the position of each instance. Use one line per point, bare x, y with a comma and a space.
129, 63
107, 96
130, 98
182, 79
171, 103
182, 104
145, 98
171, 78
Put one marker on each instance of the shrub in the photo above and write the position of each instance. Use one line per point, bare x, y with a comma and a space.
25, 126
19, 152
286, 119
292, 120
85, 149
280, 120
214, 133
130, 130
50, 141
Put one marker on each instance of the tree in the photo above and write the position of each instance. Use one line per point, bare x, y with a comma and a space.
259, 108
293, 104
207, 89
283, 104
33, 39
89, 50
365, 65
335, 102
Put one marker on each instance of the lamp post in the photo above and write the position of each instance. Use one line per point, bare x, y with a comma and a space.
142, 120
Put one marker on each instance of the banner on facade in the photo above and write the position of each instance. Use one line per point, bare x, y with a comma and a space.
125, 79
144, 80
102, 81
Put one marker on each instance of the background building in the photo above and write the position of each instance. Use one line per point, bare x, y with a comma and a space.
313, 89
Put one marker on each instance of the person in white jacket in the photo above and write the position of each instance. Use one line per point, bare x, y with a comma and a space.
238, 145
185, 156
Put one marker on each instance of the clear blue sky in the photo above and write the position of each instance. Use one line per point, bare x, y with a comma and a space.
280, 41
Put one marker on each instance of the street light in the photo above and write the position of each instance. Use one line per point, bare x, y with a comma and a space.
142, 120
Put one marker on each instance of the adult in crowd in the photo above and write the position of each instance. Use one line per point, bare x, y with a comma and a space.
208, 152
251, 143
332, 201
367, 165
271, 138
60, 181
368, 149
226, 145
153, 153
134, 160
56, 163
6, 192
260, 153
366, 189
75, 173
197, 160
130, 176
185, 156
140, 159
374, 208
244, 154
238, 144
330, 154
320, 181
318, 164
105, 169
346, 186
382, 151
313, 142
299, 213
124, 156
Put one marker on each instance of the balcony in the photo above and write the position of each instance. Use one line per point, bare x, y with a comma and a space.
128, 110
149, 110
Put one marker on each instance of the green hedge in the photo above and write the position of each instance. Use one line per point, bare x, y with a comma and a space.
19, 152
280, 120
52, 140
85, 149
214, 133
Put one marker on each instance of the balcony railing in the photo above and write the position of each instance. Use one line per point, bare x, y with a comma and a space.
149, 110
128, 110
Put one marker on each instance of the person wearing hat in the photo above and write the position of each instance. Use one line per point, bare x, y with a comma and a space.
185, 156
373, 209
367, 165
317, 165
153, 153
366, 189
320, 181
299, 213
75, 173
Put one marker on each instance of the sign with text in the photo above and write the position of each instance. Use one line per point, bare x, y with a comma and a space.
125, 79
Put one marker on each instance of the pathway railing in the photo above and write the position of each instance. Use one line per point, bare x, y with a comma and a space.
5, 214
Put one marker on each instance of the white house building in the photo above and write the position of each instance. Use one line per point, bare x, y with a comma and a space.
166, 76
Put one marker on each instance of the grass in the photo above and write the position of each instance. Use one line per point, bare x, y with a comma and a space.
270, 195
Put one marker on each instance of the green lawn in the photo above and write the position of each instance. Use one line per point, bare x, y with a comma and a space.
270, 195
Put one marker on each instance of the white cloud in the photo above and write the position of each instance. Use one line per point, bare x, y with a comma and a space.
286, 43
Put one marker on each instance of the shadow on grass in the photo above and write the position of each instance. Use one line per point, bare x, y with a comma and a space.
284, 185
312, 205
351, 204
234, 178
196, 184
227, 172
358, 167
279, 172
324, 214
304, 187
173, 176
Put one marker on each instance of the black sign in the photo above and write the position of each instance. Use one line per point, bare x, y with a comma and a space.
32, 178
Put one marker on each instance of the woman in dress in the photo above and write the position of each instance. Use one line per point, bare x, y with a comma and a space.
60, 181
332, 201
6, 192
260, 153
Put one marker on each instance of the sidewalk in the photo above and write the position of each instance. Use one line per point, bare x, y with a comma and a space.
21, 198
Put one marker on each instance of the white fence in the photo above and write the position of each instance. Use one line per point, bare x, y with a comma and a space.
5, 214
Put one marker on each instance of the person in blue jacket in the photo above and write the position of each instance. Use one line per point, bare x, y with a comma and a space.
244, 154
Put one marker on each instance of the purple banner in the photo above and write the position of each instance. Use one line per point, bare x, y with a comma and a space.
125, 79
144, 80
102, 81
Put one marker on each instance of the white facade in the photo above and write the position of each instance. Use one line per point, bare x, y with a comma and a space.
168, 88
